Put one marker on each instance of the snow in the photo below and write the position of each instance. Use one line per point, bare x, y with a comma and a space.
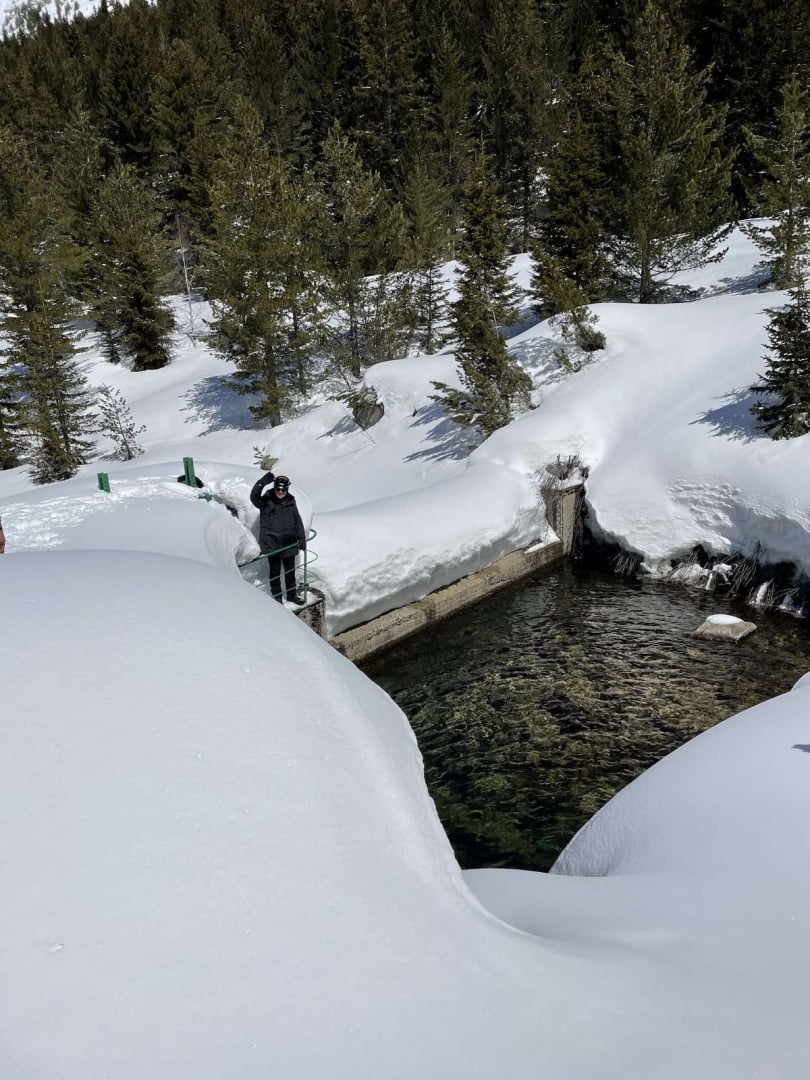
723, 620
661, 418
220, 858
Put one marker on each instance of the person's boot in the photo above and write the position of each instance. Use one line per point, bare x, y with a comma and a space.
295, 598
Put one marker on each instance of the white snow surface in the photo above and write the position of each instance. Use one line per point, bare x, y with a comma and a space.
220, 860
219, 856
661, 418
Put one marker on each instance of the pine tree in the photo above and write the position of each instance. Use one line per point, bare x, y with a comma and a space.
558, 297
750, 48
122, 71
270, 86
573, 227
11, 443
324, 65
426, 204
261, 270
115, 420
388, 94
451, 121
131, 272
58, 409
79, 166
517, 112
41, 81
787, 377
47, 394
363, 242
670, 180
785, 193
191, 97
494, 386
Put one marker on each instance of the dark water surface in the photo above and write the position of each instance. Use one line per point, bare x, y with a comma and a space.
534, 707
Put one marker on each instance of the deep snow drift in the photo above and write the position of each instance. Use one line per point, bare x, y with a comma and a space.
220, 860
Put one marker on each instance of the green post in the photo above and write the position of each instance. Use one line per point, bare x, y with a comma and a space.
188, 469
103, 482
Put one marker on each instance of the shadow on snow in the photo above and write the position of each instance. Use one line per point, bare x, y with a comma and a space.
214, 402
734, 419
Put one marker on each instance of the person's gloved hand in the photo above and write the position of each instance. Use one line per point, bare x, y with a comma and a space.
302, 545
268, 478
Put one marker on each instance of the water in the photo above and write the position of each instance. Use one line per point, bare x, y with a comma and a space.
533, 708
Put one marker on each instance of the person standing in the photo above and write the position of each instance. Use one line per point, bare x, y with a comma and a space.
2, 539
280, 524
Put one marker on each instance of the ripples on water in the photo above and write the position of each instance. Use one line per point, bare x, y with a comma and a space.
534, 707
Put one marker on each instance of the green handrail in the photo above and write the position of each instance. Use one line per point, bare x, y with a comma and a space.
287, 547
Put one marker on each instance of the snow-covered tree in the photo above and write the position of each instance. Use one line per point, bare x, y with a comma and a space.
115, 420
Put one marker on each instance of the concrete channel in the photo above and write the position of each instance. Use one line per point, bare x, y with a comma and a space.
360, 642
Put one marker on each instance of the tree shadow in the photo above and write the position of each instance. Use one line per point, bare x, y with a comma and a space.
214, 402
804, 747
759, 277
734, 420
450, 441
345, 426
526, 320
536, 357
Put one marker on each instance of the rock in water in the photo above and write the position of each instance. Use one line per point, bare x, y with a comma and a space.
724, 628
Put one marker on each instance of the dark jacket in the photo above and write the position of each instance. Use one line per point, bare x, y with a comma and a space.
279, 521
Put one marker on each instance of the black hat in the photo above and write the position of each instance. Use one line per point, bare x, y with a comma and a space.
281, 482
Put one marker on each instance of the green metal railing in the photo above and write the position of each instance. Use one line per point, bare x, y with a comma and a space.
309, 557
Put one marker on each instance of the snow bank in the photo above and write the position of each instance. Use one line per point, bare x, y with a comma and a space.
384, 554
221, 861
662, 420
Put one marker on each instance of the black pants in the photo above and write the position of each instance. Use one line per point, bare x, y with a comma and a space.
275, 563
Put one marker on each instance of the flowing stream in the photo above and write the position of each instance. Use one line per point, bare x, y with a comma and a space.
533, 708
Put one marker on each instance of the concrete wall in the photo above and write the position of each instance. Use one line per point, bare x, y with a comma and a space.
314, 614
562, 512
389, 629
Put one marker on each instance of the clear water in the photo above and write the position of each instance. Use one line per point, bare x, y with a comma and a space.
534, 707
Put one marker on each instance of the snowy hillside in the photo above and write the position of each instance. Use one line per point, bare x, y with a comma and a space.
660, 417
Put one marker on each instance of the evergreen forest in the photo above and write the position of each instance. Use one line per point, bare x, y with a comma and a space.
308, 166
